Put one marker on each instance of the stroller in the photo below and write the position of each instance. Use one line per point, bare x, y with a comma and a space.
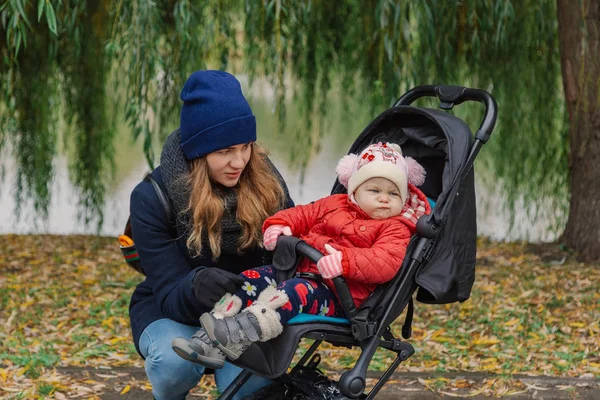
439, 263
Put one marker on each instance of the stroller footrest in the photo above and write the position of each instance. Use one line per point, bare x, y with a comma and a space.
333, 338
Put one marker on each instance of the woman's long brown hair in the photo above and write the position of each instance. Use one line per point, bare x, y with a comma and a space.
259, 195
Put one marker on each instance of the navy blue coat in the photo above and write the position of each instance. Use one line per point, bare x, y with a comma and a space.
167, 290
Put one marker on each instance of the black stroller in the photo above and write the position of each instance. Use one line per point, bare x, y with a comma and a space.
439, 263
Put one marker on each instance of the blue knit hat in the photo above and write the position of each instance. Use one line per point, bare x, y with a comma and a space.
215, 114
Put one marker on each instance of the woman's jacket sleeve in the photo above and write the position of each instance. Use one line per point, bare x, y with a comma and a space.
167, 268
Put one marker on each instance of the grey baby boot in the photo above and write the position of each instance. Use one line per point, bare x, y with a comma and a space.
259, 322
199, 349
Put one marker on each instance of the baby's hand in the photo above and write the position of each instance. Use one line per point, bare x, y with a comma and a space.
272, 233
330, 266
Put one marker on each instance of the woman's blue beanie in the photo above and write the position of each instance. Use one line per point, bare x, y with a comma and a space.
215, 114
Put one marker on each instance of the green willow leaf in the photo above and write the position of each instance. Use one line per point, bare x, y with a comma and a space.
18, 43
41, 5
51, 18
19, 5
318, 56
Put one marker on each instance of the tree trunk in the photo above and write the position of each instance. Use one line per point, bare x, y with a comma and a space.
579, 38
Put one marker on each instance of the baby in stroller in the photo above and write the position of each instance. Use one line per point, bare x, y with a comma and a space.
364, 235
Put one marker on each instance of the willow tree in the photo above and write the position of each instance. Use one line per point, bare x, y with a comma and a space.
579, 32
83, 57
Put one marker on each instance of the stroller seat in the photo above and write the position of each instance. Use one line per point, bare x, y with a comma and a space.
439, 265
272, 359
312, 319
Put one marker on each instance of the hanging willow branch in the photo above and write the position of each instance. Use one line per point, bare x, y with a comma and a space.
80, 59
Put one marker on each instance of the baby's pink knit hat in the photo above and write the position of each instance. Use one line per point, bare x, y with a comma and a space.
381, 160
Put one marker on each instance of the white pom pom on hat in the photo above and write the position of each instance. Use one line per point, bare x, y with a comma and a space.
380, 160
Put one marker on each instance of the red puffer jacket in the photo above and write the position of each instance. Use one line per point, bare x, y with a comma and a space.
372, 250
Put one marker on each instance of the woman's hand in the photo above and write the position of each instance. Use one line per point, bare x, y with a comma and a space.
210, 284
330, 266
272, 233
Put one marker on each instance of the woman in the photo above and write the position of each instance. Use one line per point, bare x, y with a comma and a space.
221, 188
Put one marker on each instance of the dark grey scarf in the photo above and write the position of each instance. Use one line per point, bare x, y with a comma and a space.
174, 169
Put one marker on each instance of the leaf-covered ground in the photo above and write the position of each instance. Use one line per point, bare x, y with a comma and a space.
64, 302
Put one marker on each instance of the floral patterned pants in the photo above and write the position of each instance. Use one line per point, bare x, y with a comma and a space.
305, 295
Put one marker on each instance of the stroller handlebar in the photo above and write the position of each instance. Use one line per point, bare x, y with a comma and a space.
306, 250
450, 96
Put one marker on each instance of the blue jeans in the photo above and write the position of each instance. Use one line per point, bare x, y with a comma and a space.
171, 376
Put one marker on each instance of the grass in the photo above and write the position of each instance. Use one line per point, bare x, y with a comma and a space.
64, 302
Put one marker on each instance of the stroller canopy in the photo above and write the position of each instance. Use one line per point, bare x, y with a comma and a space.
437, 140
441, 143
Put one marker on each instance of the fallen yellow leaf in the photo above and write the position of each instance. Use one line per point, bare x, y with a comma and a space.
595, 365
108, 323
489, 360
27, 304
443, 339
126, 389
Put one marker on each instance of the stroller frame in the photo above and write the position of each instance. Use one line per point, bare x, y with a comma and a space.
361, 333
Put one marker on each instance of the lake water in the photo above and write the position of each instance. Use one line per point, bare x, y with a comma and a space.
319, 177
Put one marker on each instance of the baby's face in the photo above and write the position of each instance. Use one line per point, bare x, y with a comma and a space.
379, 198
